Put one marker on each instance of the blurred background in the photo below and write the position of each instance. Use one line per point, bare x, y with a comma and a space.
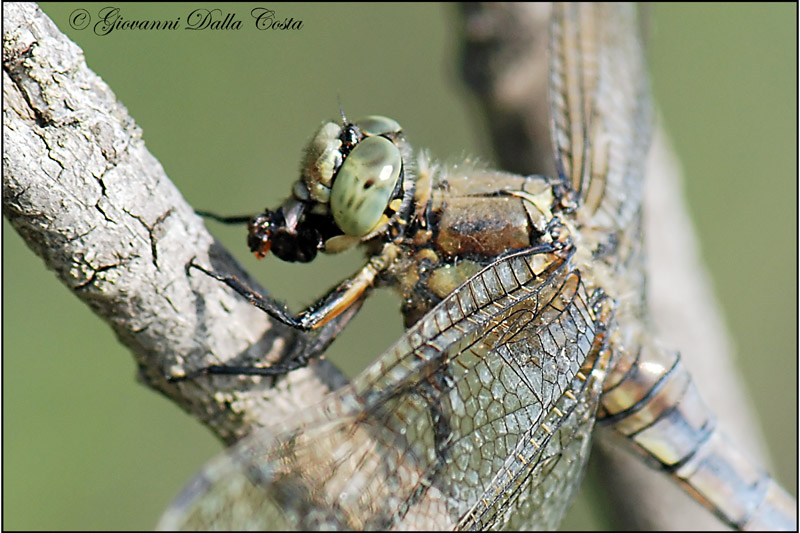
227, 113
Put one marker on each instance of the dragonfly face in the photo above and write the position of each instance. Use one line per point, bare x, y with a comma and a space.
522, 331
352, 185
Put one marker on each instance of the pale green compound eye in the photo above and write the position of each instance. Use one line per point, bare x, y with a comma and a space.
374, 125
323, 156
364, 185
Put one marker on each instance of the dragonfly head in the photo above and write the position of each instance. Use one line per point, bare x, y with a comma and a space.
352, 185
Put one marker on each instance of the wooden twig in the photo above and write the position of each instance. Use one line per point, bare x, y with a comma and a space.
95, 205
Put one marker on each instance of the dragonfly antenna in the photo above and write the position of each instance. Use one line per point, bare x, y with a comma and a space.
341, 109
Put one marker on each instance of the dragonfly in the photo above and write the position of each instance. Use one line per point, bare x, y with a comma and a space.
526, 328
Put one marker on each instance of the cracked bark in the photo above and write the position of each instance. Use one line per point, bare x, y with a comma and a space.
95, 205
90, 200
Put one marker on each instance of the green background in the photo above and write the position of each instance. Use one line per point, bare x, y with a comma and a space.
227, 113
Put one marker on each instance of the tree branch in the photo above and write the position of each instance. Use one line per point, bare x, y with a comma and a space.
95, 205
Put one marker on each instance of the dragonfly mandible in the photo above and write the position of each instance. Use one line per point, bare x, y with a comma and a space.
522, 328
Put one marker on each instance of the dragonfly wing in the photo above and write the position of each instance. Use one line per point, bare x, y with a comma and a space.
549, 467
448, 417
222, 497
600, 107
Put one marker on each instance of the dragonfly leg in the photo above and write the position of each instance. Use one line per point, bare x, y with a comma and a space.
306, 348
349, 292
328, 316
274, 369
233, 220
272, 309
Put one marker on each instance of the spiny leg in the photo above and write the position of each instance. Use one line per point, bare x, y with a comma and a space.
327, 317
274, 310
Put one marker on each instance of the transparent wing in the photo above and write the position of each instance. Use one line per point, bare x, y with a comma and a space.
601, 108
481, 398
540, 483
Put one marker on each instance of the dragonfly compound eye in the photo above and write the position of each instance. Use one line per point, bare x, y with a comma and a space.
322, 159
365, 184
379, 125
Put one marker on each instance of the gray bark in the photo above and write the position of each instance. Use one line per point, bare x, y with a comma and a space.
96, 206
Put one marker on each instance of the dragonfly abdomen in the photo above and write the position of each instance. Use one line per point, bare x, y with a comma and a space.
657, 407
